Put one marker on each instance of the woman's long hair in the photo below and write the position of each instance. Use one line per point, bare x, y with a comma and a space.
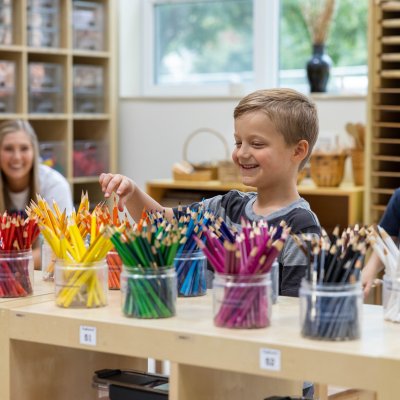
12, 126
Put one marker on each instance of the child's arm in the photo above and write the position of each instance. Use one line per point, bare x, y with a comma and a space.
130, 195
369, 272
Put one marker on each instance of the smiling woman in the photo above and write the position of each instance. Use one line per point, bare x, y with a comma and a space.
21, 175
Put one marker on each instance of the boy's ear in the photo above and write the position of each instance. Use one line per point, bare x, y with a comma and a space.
301, 150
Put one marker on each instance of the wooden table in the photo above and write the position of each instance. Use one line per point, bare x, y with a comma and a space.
206, 362
341, 205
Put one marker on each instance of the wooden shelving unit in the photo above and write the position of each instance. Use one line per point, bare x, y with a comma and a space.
66, 127
383, 130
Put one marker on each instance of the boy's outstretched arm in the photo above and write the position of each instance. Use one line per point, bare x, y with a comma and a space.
130, 195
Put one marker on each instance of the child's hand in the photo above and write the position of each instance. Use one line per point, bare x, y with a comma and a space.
120, 184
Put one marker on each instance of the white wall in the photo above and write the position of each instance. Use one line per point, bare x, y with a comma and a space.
152, 132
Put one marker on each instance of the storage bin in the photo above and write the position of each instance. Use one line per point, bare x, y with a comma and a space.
39, 19
6, 37
88, 25
6, 15
114, 384
44, 4
242, 301
391, 298
16, 273
90, 158
82, 285
52, 154
7, 86
330, 311
88, 89
148, 292
191, 268
45, 88
43, 37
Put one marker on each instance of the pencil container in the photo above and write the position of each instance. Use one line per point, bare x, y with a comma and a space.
242, 301
191, 269
148, 292
275, 281
16, 273
48, 260
330, 311
114, 264
81, 284
391, 298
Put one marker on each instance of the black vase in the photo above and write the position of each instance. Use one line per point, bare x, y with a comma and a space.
318, 69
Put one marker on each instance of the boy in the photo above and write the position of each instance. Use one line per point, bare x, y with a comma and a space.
275, 131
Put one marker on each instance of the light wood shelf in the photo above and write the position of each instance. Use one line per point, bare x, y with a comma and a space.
67, 127
206, 362
383, 127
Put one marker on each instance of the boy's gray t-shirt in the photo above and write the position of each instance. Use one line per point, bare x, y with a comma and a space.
235, 205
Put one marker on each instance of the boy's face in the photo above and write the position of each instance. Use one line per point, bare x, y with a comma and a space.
264, 158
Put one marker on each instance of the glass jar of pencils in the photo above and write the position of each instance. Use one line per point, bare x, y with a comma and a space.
114, 264
391, 298
48, 260
81, 284
242, 301
16, 273
330, 311
191, 269
148, 292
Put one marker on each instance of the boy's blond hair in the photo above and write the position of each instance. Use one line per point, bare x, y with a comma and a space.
293, 114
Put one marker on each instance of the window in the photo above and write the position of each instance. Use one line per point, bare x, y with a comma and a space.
347, 46
226, 47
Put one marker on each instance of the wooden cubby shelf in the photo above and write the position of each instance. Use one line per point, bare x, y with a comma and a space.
63, 125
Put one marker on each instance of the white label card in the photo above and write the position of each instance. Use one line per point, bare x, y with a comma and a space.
270, 359
87, 335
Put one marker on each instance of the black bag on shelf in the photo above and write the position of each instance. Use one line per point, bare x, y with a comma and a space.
115, 384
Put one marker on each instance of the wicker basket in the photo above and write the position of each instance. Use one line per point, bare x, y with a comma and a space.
357, 161
228, 172
327, 169
223, 170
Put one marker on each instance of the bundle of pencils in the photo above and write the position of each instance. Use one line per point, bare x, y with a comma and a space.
16, 264
190, 262
331, 293
387, 251
242, 260
79, 244
148, 282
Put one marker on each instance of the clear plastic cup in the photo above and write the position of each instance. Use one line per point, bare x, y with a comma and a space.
391, 298
242, 301
16, 273
331, 311
191, 269
148, 292
81, 284
114, 264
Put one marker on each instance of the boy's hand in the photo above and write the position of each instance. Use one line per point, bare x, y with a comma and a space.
120, 184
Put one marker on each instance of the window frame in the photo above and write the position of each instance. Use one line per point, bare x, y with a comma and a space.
265, 57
